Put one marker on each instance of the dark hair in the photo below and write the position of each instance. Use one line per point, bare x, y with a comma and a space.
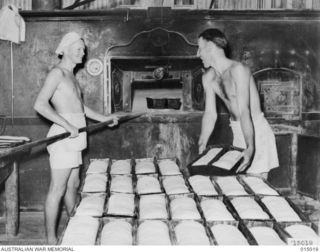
216, 36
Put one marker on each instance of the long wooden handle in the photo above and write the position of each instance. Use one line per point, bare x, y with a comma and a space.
93, 127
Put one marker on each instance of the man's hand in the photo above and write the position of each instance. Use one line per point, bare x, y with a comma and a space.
115, 120
247, 156
202, 145
74, 132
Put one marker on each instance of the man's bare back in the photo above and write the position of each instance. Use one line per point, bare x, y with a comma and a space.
67, 96
225, 86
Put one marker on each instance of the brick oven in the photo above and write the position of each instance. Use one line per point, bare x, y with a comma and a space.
156, 71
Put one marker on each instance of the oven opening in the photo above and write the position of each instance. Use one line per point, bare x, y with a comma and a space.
156, 85
160, 95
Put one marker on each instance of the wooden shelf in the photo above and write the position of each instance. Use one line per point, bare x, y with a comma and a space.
181, 13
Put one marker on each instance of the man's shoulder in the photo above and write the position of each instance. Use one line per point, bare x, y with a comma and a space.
209, 74
238, 68
56, 70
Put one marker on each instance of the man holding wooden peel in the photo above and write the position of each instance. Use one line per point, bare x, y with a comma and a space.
67, 113
234, 84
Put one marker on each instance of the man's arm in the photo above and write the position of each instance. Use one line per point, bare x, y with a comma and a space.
99, 117
210, 114
43, 107
241, 75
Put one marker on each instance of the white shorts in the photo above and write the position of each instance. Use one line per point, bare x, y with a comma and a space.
65, 160
266, 156
66, 153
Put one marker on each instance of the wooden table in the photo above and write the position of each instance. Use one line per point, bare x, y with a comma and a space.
9, 176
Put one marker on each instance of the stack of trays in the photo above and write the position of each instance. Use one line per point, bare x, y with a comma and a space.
217, 160
151, 201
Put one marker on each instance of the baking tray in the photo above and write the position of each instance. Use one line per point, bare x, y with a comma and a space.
174, 223
81, 188
153, 160
186, 183
106, 160
211, 170
246, 189
112, 177
283, 225
227, 204
174, 159
135, 207
301, 215
247, 235
255, 223
167, 206
167, 222
85, 195
242, 181
106, 220
189, 195
148, 175
216, 187
129, 160
60, 238
257, 201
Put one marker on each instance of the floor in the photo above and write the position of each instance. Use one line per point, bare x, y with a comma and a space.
32, 231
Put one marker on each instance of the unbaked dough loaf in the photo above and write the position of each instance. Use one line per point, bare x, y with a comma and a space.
168, 167
91, 205
117, 232
230, 186
153, 207
228, 235
202, 185
121, 184
95, 183
121, 204
266, 236
153, 232
215, 210
248, 208
148, 184
210, 155
258, 186
228, 160
184, 208
174, 185
191, 233
280, 209
81, 230
121, 167
98, 166
145, 166
299, 231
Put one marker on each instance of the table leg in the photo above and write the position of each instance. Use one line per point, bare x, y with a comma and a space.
12, 202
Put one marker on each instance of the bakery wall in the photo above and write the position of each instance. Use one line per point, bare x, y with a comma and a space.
260, 40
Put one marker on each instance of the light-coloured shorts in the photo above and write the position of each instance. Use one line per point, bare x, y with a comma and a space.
66, 153
266, 156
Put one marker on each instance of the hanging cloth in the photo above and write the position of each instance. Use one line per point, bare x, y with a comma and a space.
13, 29
12, 25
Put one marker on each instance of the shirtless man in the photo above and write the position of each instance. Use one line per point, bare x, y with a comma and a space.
67, 112
234, 84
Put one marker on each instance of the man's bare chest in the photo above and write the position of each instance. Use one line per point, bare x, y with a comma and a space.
225, 88
69, 88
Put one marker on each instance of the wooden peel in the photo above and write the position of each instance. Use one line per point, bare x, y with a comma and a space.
90, 128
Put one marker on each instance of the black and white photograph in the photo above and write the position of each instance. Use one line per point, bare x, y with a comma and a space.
176, 124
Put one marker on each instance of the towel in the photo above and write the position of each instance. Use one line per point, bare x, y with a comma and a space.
266, 156
12, 25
